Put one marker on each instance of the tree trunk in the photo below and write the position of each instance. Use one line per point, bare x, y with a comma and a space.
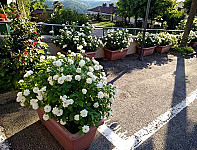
125, 20
190, 19
143, 22
135, 23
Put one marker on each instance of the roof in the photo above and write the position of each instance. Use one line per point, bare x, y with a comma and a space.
103, 9
37, 11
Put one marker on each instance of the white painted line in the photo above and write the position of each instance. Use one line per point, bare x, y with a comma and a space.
146, 132
3, 143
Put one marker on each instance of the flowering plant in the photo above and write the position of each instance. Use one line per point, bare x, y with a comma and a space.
150, 39
192, 36
72, 89
166, 39
77, 39
117, 39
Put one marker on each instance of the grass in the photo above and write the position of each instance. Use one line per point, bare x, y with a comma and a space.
105, 24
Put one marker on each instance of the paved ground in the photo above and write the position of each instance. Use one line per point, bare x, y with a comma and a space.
147, 90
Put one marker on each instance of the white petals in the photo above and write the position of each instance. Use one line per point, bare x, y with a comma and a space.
85, 128
84, 91
78, 70
26, 92
89, 80
100, 94
84, 113
76, 117
62, 122
81, 63
47, 108
96, 105
45, 117
78, 77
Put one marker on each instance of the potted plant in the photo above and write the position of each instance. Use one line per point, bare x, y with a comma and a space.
165, 42
71, 95
192, 39
78, 39
151, 40
116, 43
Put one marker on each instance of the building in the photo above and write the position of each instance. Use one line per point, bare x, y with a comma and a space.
108, 12
37, 14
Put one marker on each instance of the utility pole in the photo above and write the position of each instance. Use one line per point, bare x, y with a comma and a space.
144, 31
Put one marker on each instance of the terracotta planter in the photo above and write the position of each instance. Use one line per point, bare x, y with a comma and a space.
90, 54
163, 49
65, 138
115, 55
146, 51
193, 44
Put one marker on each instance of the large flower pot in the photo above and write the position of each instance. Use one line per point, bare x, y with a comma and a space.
163, 49
65, 138
193, 44
90, 54
115, 55
146, 51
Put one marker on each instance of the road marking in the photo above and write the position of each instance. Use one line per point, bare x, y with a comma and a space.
3, 143
146, 132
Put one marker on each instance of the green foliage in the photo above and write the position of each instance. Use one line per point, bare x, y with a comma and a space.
182, 50
151, 39
166, 39
182, 24
77, 39
117, 39
72, 89
105, 24
19, 51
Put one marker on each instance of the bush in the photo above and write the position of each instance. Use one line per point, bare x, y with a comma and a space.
182, 50
117, 39
77, 39
167, 39
72, 89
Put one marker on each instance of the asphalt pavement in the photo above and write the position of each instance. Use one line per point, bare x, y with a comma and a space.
146, 90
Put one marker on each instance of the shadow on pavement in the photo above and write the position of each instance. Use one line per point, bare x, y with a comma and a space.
177, 136
130, 63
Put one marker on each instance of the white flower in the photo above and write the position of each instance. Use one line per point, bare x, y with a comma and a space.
45, 117
33, 101
70, 61
63, 97
91, 69
95, 62
51, 83
69, 78
35, 106
84, 113
89, 80
20, 81
76, 117
43, 89
81, 63
26, 92
64, 46
28, 73
100, 85
60, 80
42, 58
100, 94
55, 77
83, 51
48, 70
21, 99
50, 78
96, 67
111, 99
100, 67
84, 91
57, 63
78, 77
80, 47
88, 59
85, 129
59, 112
96, 105
55, 110
78, 70
90, 74
19, 94
47, 108
94, 77
73, 54
39, 97
62, 122
65, 103
35, 89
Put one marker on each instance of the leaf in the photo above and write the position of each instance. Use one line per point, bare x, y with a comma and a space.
41, 51
80, 133
80, 103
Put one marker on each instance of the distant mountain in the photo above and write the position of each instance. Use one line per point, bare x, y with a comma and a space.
80, 5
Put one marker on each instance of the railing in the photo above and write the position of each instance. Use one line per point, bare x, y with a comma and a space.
106, 28
102, 28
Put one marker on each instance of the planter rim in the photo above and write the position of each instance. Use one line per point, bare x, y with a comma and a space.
146, 47
107, 49
73, 136
164, 45
90, 52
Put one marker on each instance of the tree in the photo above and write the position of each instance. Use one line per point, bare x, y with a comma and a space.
187, 5
190, 19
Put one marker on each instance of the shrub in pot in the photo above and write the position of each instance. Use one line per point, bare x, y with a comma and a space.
166, 40
151, 40
71, 89
116, 43
78, 39
192, 39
